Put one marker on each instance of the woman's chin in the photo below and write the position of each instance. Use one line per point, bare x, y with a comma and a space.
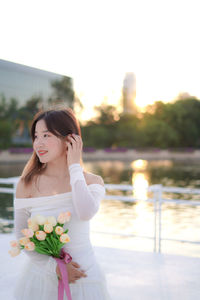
43, 160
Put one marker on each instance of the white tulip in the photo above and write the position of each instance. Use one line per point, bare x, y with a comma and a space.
51, 220
40, 220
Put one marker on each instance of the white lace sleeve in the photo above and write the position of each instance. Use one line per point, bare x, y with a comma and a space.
48, 263
86, 198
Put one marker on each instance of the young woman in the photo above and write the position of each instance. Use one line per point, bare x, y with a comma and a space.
54, 181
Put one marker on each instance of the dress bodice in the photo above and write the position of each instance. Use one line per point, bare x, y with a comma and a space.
55, 204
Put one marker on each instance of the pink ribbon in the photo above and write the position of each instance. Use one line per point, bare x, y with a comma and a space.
63, 283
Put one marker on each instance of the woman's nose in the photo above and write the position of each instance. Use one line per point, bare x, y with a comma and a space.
39, 141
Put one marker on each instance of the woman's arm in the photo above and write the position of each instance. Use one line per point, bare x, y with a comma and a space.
86, 201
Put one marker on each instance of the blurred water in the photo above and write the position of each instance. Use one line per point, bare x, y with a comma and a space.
178, 222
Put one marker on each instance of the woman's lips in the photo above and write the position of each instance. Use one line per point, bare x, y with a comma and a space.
42, 152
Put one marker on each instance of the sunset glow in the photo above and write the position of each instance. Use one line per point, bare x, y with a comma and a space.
96, 43
139, 164
140, 184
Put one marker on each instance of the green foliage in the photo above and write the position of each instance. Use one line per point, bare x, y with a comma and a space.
163, 125
98, 136
127, 131
63, 91
157, 133
107, 114
12, 117
5, 134
8, 116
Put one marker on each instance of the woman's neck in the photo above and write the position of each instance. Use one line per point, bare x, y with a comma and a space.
57, 168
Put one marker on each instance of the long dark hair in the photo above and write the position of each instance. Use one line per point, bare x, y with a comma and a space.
60, 122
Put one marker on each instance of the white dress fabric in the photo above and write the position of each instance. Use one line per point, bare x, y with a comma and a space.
38, 279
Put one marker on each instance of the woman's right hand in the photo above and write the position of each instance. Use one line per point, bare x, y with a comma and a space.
73, 270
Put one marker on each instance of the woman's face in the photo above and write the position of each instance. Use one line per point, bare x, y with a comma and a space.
47, 146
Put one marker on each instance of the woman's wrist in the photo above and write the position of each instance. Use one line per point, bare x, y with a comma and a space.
74, 164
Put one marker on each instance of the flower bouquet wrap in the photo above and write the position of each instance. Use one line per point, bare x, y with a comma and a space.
47, 236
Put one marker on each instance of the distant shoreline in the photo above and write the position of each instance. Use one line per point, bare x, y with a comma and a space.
101, 155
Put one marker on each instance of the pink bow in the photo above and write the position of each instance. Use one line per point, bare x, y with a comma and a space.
65, 258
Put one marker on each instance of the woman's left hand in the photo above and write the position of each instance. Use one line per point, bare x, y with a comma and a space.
74, 151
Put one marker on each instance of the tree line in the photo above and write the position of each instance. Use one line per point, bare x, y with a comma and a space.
162, 125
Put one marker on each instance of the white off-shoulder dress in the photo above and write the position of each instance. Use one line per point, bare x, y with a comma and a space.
38, 279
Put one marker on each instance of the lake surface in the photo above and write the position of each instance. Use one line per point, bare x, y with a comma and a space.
178, 221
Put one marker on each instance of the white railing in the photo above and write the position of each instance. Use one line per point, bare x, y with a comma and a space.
157, 200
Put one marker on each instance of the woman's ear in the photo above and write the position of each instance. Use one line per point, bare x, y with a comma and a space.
67, 138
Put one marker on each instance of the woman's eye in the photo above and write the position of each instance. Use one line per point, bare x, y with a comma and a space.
46, 135
35, 136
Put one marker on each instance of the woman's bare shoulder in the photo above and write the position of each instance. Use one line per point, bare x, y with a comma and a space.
92, 178
23, 190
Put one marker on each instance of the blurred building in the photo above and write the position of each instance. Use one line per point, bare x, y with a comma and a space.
22, 82
25, 83
129, 94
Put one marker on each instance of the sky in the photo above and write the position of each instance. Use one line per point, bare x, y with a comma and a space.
97, 42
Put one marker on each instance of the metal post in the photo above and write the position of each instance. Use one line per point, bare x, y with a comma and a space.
14, 187
160, 216
155, 220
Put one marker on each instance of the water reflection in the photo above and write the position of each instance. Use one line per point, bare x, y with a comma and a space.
140, 179
166, 172
139, 164
140, 184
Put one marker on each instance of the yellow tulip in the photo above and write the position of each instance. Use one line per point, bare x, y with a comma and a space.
64, 217
59, 230
30, 246
64, 238
40, 235
48, 228
23, 241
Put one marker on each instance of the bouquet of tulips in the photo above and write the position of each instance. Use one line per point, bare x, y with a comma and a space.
44, 235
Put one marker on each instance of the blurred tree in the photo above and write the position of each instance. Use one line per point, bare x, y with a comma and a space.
8, 116
63, 92
127, 131
78, 105
12, 110
163, 125
6, 129
182, 117
106, 114
24, 119
3, 106
157, 133
100, 132
26, 112
96, 136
